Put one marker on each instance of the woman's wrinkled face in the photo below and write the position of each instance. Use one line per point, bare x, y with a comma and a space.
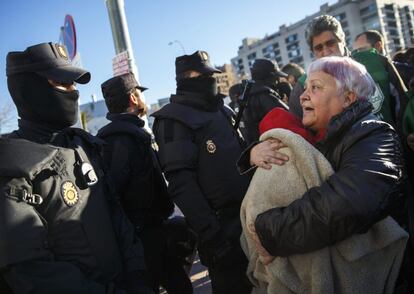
320, 100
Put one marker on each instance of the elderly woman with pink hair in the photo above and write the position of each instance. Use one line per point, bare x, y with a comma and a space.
365, 154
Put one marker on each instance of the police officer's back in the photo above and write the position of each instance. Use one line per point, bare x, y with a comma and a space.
61, 230
138, 179
198, 152
263, 96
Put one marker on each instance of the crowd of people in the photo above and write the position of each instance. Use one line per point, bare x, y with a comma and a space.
310, 193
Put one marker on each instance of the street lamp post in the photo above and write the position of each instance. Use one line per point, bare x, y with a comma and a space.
179, 43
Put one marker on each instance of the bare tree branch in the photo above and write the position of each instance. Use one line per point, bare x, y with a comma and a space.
6, 115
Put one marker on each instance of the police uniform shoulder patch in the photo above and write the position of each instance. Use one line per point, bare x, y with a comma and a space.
211, 147
69, 193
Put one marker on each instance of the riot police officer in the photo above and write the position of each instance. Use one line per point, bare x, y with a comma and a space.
137, 177
198, 149
263, 97
62, 231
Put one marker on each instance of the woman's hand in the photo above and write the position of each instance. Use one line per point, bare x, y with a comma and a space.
265, 153
265, 256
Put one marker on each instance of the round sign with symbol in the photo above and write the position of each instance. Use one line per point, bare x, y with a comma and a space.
69, 36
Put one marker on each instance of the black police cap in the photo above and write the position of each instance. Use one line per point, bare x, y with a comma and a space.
48, 60
120, 85
265, 68
198, 61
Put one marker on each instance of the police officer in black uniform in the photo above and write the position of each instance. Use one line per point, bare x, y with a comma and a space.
137, 177
198, 151
61, 230
263, 96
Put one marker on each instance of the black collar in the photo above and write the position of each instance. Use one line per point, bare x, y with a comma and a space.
36, 132
127, 117
198, 101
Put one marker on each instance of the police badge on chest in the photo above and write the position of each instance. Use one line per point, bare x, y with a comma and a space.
211, 147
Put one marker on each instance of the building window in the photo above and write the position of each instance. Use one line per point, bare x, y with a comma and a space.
374, 26
291, 38
392, 24
267, 49
393, 32
344, 24
389, 7
276, 52
390, 15
275, 45
340, 16
292, 46
396, 41
269, 55
251, 56
278, 60
294, 53
369, 9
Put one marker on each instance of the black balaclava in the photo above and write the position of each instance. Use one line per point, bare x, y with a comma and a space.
203, 85
38, 101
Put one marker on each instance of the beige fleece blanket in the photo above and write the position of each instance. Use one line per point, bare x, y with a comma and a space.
366, 263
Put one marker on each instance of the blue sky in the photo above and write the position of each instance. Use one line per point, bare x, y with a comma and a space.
215, 26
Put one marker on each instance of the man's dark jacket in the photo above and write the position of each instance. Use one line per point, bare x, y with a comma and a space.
135, 171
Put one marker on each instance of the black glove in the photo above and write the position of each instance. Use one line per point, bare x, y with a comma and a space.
217, 251
134, 283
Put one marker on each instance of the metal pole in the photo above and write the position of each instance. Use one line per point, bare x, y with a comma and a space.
122, 40
120, 32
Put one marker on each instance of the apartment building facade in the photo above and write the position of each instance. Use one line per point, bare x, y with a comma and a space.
225, 79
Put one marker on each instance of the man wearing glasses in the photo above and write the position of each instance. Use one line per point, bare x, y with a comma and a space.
325, 37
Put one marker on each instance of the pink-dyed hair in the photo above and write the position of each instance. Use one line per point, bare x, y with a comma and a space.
348, 74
